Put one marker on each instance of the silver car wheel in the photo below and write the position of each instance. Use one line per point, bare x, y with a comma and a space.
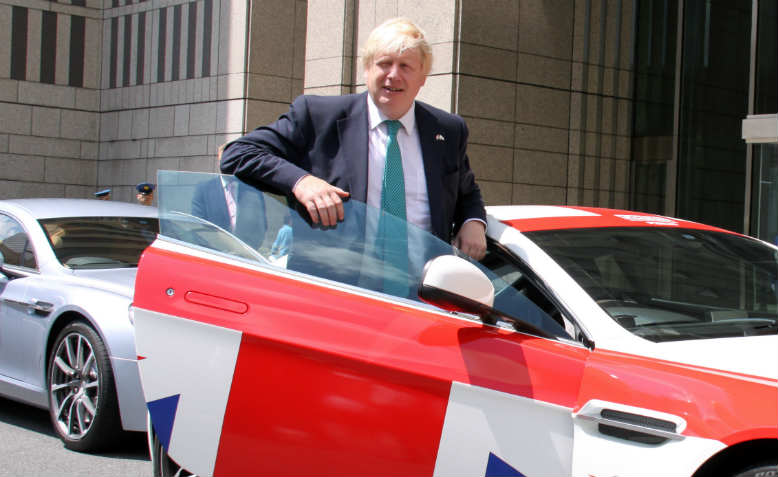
82, 393
74, 386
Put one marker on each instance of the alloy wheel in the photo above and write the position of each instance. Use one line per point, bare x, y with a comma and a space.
74, 386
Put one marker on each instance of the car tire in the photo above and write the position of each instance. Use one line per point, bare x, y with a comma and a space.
161, 462
763, 469
82, 394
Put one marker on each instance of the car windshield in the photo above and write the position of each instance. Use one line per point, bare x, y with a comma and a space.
369, 250
99, 242
668, 284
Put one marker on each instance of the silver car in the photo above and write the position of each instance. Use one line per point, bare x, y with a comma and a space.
66, 343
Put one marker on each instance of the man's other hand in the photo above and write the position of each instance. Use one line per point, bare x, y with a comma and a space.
471, 239
322, 200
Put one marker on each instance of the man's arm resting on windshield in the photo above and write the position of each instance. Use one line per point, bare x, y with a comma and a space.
321, 199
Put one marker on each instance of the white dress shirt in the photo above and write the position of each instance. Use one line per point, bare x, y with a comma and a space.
417, 207
230, 188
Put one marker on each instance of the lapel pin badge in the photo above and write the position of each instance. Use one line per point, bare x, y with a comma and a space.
439, 137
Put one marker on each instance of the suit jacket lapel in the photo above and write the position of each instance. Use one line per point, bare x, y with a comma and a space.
432, 152
352, 134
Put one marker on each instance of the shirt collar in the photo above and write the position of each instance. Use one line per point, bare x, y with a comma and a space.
376, 117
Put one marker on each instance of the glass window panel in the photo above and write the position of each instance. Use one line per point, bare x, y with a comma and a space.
99, 242
672, 284
765, 192
767, 56
15, 244
714, 101
652, 139
369, 249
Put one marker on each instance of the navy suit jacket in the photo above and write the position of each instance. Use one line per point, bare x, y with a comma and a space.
210, 204
327, 136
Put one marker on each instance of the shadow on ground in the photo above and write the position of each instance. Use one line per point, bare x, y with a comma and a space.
133, 445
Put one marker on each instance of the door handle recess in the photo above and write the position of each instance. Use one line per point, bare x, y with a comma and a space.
33, 306
632, 421
37, 306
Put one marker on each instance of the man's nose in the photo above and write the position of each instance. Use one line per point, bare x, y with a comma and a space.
393, 71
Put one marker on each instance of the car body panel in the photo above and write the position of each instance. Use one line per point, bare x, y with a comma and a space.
17, 329
738, 355
100, 297
690, 392
550, 217
319, 336
290, 373
486, 397
196, 406
749, 356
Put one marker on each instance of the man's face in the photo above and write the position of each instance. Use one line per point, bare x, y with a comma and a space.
393, 81
145, 199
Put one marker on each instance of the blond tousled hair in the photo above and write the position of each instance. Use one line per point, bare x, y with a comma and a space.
397, 35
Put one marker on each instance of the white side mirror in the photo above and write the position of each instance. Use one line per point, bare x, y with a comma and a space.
454, 284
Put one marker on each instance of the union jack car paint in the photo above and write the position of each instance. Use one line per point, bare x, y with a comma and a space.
613, 343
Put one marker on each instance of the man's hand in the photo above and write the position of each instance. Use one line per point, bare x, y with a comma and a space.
471, 239
321, 199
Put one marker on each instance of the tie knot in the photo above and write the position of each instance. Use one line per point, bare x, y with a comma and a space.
392, 126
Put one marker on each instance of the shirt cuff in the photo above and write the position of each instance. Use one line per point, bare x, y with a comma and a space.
476, 219
298, 181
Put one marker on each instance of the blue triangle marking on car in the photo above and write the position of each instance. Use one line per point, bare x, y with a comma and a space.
497, 467
163, 414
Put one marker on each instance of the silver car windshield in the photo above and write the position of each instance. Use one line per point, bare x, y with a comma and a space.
673, 284
99, 242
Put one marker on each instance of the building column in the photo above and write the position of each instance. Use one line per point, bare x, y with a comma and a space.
330, 52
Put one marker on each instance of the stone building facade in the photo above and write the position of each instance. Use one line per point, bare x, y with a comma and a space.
103, 93
613, 103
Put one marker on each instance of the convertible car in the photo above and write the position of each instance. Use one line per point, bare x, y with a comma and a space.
588, 342
67, 269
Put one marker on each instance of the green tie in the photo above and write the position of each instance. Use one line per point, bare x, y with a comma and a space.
392, 241
393, 187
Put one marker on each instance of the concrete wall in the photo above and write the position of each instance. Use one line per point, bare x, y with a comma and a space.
163, 83
191, 92
545, 86
48, 128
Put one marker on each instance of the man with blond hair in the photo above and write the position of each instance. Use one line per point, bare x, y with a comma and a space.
370, 145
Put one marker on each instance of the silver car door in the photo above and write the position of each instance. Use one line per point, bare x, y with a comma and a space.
17, 344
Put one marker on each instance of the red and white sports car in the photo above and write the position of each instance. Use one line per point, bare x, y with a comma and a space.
588, 342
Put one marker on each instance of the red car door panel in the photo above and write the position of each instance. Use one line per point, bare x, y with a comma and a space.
330, 378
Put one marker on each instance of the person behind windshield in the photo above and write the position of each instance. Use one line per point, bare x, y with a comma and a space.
328, 148
283, 241
233, 206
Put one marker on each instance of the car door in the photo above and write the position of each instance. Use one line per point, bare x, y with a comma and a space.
250, 368
18, 343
